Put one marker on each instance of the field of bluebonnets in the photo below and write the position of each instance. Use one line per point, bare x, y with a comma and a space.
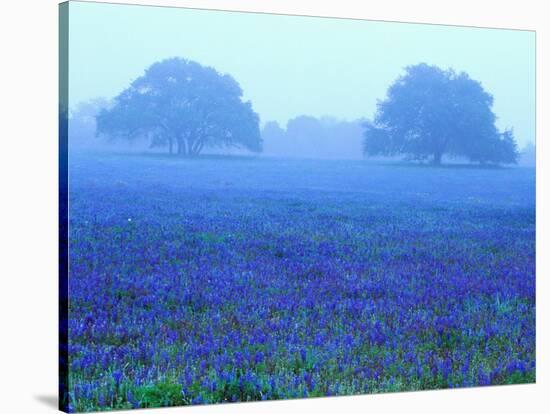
236, 279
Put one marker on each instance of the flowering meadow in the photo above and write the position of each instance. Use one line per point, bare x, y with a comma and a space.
227, 279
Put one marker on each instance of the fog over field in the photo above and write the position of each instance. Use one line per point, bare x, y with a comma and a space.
267, 207
315, 67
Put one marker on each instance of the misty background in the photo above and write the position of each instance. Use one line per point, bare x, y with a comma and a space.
313, 81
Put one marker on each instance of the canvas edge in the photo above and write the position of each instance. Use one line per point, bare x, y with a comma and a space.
63, 254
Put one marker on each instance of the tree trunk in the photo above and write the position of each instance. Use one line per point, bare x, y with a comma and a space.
170, 146
185, 146
437, 158
199, 147
195, 148
182, 151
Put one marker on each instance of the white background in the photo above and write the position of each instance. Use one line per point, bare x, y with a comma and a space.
28, 203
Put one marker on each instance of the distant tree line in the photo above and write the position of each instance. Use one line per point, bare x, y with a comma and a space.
83, 123
310, 137
427, 114
528, 155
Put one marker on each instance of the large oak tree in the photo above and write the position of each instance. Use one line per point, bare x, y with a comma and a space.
184, 106
429, 112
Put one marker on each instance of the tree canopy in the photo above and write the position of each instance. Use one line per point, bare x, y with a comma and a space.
430, 112
184, 106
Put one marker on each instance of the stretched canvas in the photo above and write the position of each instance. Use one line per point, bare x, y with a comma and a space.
259, 207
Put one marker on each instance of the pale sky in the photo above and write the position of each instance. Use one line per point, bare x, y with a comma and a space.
289, 65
